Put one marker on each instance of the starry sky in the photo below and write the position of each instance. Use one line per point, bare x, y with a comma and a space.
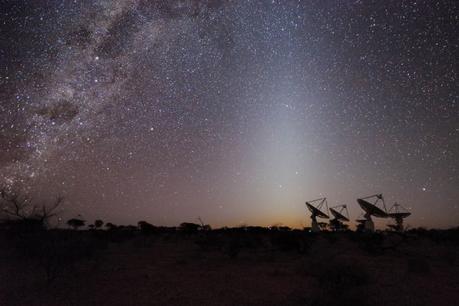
234, 111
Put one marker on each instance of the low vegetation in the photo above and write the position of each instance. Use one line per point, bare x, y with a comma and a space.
108, 264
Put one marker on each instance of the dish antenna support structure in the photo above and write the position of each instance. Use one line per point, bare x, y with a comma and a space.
341, 215
370, 206
318, 209
398, 213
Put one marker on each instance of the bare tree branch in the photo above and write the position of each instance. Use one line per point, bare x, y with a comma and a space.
21, 207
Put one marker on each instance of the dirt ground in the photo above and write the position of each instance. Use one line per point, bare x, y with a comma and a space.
176, 270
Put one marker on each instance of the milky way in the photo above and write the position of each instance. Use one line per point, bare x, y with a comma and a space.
235, 111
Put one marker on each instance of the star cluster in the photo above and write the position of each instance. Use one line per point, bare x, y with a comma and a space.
236, 111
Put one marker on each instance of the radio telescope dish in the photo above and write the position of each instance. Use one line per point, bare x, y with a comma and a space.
370, 206
398, 213
318, 209
341, 215
340, 212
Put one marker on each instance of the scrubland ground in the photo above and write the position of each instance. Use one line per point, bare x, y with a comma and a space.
231, 268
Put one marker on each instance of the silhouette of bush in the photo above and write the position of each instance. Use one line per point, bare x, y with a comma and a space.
121, 233
450, 236
146, 228
189, 228
98, 223
19, 215
110, 226
23, 226
75, 223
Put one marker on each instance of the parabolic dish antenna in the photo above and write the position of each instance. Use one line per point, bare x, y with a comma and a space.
398, 213
341, 215
318, 209
373, 205
372, 208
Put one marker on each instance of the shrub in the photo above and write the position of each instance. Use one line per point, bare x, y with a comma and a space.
98, 223
189, 228
76, 223
146, 228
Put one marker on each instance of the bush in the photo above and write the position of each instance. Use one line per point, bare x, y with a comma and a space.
189, 228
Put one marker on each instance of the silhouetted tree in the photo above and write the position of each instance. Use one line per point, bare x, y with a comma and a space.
189, 228
98, 223
130, 228
280, 228
146, 228
110, 226
20, 213
204, 227
76, 223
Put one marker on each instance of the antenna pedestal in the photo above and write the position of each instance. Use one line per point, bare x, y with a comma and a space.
316, 212
341, 215
336, 225
398, 226
315, 226
398, 213
369, 225
370, 207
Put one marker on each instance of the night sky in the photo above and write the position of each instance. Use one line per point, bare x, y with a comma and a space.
235, 111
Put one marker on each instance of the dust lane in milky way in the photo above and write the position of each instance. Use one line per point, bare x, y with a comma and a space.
234, 111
